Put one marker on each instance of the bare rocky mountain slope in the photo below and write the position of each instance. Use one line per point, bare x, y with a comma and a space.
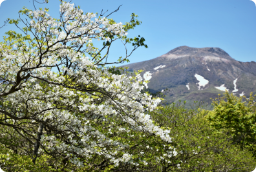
197, 74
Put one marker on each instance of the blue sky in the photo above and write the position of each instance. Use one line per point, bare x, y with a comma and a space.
166, 24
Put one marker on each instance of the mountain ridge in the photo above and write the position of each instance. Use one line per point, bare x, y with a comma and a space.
180, 70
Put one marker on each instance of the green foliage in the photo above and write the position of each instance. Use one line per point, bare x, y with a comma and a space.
114, 71
12, 158
238, 117
204, 148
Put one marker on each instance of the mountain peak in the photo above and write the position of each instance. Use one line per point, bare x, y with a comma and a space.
183, 51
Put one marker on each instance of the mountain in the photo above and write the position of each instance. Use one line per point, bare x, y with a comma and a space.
197, 74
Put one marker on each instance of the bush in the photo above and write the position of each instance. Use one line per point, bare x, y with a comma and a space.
238, 118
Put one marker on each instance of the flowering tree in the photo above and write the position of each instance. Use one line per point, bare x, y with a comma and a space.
74, 114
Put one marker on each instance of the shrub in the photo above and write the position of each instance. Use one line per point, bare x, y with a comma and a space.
238, 118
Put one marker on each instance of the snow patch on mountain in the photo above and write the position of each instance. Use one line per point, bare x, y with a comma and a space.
161, 66
222, 87
234, 82
188, 86
202, 81
206, 65
241, 94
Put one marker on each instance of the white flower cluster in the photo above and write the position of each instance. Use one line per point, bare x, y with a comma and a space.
118, 90
126, 157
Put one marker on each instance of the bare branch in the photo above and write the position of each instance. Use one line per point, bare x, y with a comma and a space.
37, 143
5, 23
